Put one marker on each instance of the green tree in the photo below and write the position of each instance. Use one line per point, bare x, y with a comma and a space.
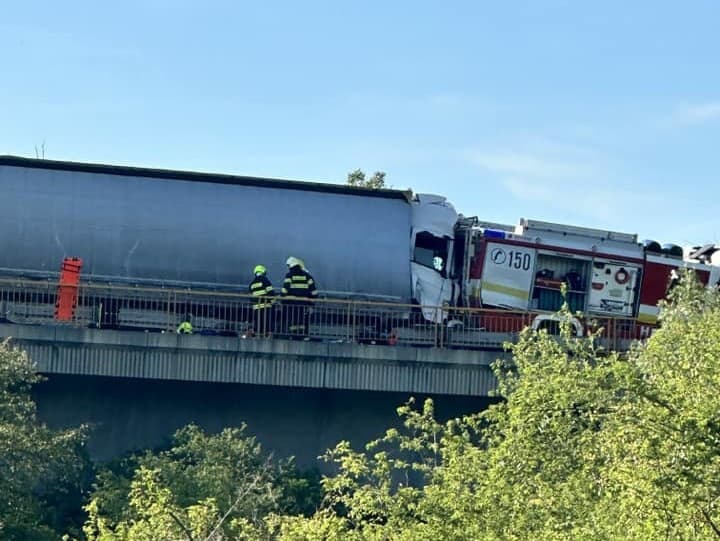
401, 487
587, 444
155, 515
40, 468
357, 178
544, 456
224, 479
663, 445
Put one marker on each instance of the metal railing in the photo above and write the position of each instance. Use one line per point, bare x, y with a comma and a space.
156, 309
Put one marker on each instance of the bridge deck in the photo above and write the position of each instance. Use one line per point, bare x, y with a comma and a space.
59, 349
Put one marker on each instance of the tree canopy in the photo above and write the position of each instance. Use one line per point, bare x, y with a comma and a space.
206, 486
41, 470
588, 444
357, 178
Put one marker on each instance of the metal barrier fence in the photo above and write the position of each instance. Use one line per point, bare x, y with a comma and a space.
154, 309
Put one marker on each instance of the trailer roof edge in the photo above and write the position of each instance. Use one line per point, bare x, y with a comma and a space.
196, 176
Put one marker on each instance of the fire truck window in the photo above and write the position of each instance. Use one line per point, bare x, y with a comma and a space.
431, 251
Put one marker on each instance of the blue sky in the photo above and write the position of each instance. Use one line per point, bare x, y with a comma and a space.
603, 114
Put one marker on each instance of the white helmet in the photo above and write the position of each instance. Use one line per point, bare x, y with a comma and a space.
293, 261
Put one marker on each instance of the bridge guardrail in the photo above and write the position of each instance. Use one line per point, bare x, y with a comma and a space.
158, 309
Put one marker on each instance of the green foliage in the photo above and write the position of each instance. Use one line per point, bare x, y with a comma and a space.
156, 515
666, 452
323, 526
375, 182
401, 487
545, 441
221, 483
41, 470
587, 445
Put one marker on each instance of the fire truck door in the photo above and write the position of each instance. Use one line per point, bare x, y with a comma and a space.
507, 276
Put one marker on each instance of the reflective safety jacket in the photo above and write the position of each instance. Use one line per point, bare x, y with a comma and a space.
262, 290
299, 283
185, 328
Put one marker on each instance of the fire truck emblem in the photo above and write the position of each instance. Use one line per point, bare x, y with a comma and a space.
498, 256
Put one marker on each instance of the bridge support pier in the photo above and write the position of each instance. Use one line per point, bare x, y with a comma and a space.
134, 414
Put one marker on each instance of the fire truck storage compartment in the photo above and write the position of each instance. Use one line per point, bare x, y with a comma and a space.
613, 288
551, 272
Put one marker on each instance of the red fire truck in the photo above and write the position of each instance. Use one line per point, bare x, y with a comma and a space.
608, 275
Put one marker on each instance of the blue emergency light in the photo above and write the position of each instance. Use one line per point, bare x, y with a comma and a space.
493, 234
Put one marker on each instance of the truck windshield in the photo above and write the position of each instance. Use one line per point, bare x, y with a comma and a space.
431, 251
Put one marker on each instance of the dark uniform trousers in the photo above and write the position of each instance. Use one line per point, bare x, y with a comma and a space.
262, 308
300, 286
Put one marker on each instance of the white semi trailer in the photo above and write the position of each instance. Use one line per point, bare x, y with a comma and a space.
198, 230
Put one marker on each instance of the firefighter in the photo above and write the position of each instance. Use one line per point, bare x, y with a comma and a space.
185, 326
673, 281
299, 285
262, 291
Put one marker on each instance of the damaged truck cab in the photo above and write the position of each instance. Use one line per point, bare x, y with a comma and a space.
432, 236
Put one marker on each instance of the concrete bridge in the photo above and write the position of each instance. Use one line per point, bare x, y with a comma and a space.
298, 397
